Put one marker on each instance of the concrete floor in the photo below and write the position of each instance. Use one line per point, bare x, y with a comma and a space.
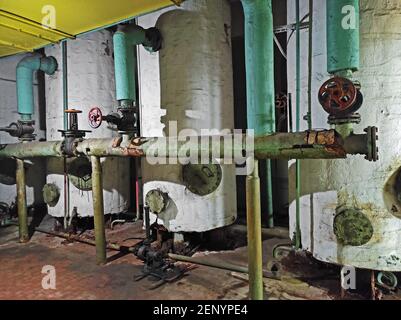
78, 277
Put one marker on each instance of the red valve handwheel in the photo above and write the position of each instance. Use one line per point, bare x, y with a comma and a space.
95, 117
339, 96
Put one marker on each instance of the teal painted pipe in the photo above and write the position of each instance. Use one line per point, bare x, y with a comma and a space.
342, 35
259, 58
25, 69
124, 40
259, 54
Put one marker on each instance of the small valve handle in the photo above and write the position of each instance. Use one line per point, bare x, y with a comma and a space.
70, 111
95, 117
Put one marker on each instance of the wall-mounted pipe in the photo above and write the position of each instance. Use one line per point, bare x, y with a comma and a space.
25, 69
298, 242
125, 40
342, 36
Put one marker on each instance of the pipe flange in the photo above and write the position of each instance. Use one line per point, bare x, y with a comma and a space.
154, 38
372, 138
351, 118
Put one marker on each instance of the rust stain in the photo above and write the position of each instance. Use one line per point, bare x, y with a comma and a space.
336, 150
117, 142
133, 152
326, 137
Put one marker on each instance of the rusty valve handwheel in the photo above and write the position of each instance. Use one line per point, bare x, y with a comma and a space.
95, 117
339, 97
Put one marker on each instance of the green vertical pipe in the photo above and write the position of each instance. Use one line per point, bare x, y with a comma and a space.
342, 35
125, 40
21, 202
65, 81
310, 64
254, 225
298, 243
259, 55
124, 64
98, 210
25, 70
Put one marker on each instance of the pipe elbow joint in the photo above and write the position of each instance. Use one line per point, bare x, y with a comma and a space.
150, 38
37, 62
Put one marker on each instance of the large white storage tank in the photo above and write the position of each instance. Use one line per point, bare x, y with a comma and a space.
194, 69
35, 168
350, 209
90, 83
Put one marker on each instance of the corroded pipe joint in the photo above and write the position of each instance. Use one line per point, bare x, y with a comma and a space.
363, 144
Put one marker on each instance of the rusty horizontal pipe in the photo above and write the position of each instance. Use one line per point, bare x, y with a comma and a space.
219, 265
325, 144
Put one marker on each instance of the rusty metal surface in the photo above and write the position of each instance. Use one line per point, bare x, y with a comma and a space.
325, 144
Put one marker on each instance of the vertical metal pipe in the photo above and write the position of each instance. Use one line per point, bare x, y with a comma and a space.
254, 225
259, 54
269, 185
298, 244
65, 80
342, 36
310, 64
98, 210
147, 222
64, 62
21, 202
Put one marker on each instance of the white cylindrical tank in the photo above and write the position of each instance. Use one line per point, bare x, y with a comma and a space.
90, 83
196, 92
35, 168
351, 209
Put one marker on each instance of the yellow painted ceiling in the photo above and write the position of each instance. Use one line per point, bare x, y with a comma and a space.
21, 21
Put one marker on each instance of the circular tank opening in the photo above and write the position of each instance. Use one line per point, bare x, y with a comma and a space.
392, 194
80, 173
352, 227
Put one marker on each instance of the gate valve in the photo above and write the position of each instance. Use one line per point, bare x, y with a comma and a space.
73, 130
340, 97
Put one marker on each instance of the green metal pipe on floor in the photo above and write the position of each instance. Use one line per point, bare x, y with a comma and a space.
21, 202
326, 144
259, 55
342, 36
254, 224
98, 211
